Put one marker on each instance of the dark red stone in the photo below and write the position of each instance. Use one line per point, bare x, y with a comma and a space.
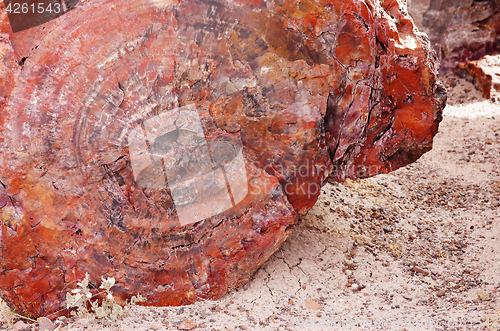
173, 145
482, 74
476, 75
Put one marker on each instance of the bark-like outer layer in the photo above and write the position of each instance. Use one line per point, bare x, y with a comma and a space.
345, 88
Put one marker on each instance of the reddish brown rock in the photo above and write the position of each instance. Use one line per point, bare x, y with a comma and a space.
483, 74
476, 75
460, 30
173, 144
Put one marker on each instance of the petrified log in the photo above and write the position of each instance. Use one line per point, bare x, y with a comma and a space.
460, 30
173, 144
483, 74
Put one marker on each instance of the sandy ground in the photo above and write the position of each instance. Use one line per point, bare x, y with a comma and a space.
417, 249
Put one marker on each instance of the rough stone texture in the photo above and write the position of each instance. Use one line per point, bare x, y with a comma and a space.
476, 75
460, 30
483, 74
100, 102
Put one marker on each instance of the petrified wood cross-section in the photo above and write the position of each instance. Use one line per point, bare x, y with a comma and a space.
174, 144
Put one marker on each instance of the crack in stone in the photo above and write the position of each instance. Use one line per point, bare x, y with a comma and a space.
291, 269
323, 251
266, 281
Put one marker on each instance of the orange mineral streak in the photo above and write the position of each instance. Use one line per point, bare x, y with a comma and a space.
119, 118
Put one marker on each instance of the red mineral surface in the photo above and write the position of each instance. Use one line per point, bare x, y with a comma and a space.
173, 145
483, 74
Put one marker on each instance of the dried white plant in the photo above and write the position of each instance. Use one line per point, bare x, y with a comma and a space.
83, 305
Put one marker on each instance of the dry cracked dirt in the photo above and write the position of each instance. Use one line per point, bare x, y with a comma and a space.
417, 249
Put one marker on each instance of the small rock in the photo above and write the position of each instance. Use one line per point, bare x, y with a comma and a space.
441, 293
45, 324
21, 326
421, 271
313, 305
186, 326
484, 296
